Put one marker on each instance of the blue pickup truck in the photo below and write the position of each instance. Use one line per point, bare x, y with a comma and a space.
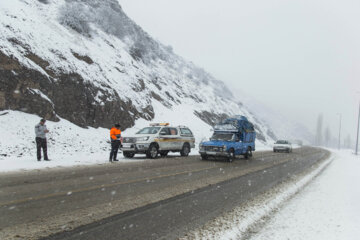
233, 136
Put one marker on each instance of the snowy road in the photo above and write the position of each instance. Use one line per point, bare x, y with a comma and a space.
181, 193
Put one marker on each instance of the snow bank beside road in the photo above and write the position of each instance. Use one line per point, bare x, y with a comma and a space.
68, 144
327, 209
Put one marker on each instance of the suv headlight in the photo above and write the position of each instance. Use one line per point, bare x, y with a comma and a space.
224, 147
142, 139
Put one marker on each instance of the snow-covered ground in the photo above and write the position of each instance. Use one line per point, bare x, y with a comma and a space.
329, 208
70, 145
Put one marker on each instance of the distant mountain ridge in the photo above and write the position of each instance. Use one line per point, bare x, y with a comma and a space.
87, 62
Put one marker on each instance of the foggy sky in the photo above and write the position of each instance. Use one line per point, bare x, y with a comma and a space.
299, 57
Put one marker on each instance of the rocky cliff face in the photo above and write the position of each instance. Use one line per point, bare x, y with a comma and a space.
66, 95
87, 62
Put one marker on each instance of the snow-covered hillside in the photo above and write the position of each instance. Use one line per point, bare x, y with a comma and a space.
86, 62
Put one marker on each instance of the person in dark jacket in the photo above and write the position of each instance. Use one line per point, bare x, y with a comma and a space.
40, 132
115, 137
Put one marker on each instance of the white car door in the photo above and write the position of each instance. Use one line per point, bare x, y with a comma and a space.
165, 139
186, 136
176, 143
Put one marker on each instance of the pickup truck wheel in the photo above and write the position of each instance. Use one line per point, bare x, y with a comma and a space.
185, 150
248, 153
128, 154
153, 151
204, 157
164, 153
231, 156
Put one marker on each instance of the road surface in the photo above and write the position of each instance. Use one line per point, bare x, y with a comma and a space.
151, 199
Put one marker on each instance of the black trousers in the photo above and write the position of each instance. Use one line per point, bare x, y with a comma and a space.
114, 149
41, 143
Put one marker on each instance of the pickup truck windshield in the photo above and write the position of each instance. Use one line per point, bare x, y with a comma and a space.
281, 142
149, 130
222, 136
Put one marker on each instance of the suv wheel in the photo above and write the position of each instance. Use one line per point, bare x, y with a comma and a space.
128, 154
152, 152
185, 150
204, 156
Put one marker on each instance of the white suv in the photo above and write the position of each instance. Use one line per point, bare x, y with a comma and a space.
159, 139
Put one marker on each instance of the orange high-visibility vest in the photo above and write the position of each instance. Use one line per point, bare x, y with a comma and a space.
115, 134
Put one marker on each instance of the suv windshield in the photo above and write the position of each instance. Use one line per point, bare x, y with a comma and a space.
281, 142
222, 136
149, 130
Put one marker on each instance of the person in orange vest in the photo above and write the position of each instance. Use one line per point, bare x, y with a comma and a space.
115, 136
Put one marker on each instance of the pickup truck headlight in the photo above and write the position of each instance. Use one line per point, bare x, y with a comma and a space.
224, 147
142, 139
